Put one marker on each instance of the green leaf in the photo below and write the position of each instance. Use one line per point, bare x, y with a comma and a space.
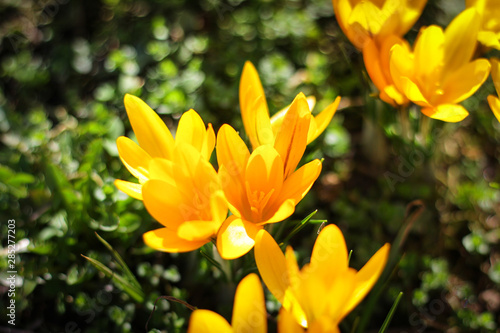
118, 280
301, 225
388, 319
123, 266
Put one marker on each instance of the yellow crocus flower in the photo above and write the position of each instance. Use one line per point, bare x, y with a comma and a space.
489, 10
249, 312
367, 19
439, 72
324, 291
184, 194
376, 55
493, 100
263, 187
260, 128
156, 141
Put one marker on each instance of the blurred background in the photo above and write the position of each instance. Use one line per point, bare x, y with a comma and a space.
65, 67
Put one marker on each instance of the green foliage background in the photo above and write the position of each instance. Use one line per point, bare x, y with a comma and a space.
65, 67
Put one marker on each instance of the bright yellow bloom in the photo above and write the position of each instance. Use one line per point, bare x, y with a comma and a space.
184, 194
288, 324
255, 113
439, 73
376, 55
324, 291
489, 10
155, 140
492, 99
249, 312
365, 19
263, 187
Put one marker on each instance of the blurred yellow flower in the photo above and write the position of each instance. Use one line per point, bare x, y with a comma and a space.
249, 312
263, 187
492, 99
183, 193
324, 291
376, 55
255, 113
439, 72
155, 140
376, 19
489, 10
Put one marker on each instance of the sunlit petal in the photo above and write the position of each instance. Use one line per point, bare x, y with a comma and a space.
367, 277
232, 153
271, 263
135, 159
249, 309
132, 189
494, 103
206, 321
465, 81
291, 140
329, 251
460, 39
236, 237
451, 113
322, 120
167, 240
151, 132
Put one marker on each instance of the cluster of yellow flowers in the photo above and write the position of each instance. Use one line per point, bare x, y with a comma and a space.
231, 206
182, 190
441, 70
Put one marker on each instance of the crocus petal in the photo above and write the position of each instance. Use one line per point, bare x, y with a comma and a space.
206, 321
197, 230
132, 189
236, 237
277, 118
465, 81
287, 322
263, 175
367, 277
191, 130
162, 169
291, 140
166, 204
249, 309
151, 132
209, 143
322, 325
250, 91
494, 103
135, 159
451, 113
341, 290
218, 206
413, 92
284, 211
167, 240
373, 65
271, 263
235, 192
322, 120
329, 251
489, 39
429, 54
263, 126
232, 153
300, 182
460, 39
402, 68
495, 73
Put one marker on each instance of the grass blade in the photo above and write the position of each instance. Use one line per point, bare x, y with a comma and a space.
388, 319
